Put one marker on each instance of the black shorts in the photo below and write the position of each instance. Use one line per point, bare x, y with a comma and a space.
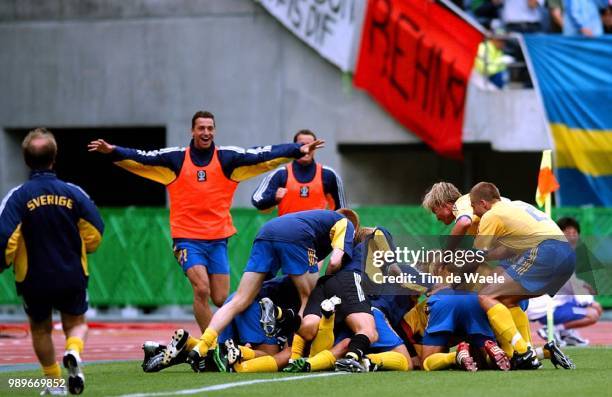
346, 286
39, 305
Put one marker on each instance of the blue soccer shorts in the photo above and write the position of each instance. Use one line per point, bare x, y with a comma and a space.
211, 254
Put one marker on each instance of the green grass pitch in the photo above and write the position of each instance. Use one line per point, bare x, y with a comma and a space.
592, 378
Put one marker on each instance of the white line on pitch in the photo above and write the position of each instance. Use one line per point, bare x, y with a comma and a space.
224, 386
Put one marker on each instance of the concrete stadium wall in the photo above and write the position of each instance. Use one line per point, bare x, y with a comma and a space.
95, 63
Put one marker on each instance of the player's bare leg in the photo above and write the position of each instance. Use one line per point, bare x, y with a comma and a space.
200, 283
304, 283
364, 329
249, 287
42, 342
219, 288
75, 329
497, 300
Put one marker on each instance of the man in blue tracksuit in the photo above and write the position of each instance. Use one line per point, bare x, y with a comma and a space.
47, 227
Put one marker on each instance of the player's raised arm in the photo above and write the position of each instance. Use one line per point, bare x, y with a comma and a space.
161, 165
240, 164
100, 146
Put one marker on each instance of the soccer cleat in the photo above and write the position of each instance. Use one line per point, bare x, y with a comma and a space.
463, 359
328, 306
497, 355
298, 365
150, 349
154, 363
76, 379
54, 391
557, 357
197, 362
221, 361
571, 337
349, 364
176, 345
226, 355
232, 351
267, 318
527, 360
369, 365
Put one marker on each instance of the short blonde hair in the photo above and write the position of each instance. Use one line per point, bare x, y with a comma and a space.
484, 191
439, 194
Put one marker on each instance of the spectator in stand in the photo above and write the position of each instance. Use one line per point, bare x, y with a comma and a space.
486, 11
523, 16
555, 9
582, 17
490, 61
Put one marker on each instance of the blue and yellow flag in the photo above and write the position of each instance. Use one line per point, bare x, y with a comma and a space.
575, 79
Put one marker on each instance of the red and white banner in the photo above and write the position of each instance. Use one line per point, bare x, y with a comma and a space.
415, 60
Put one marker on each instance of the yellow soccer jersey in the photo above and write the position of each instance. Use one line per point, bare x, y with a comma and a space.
417, 319
516, 225
463, 207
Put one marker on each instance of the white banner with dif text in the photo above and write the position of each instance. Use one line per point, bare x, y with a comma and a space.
331, 27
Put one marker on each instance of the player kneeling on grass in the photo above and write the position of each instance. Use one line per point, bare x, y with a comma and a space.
448, 318
535, 256
456, 316
342, 280
386, 353
343, 286
242, 341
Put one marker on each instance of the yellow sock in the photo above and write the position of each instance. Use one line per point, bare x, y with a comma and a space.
191, 343
390, 361
325, 336
501, 321
438, 361
247, 353
522, 323
259, 364
75, 343
322, 361
53, 371
297, 347
505, 346
207, 341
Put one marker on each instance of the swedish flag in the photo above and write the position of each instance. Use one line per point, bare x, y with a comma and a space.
575, 79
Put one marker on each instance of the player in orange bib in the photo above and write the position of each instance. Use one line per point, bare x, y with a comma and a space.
201, 180
300, 185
